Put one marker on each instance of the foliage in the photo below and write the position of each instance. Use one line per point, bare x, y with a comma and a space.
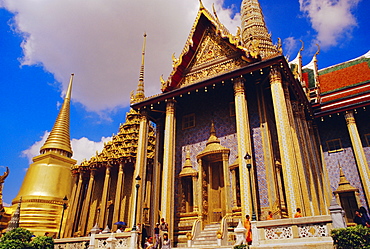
20, 238
243, 246
351, 237
43, 242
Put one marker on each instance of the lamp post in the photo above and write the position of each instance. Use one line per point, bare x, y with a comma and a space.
65, 199
137, 193
249, 166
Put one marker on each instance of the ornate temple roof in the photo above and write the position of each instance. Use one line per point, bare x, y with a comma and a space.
123, 146
206, 45
345, 86
59, 138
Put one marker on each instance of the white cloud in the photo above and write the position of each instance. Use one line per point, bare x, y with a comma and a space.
82, 148
290, 44
332, 19
100, 41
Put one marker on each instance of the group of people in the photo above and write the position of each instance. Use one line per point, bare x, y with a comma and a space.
362, 217
160, 240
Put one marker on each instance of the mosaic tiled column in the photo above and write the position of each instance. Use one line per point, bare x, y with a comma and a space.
233, 186
308, 204
244, 144
285, 142
321, 166
104, 199
316, 175
86, 205
167, 205
73, 209
268, 154
156, 175
118, 196
358, 150
140, 169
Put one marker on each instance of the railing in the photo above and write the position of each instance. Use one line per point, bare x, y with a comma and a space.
122, 241
197, 228
227, 222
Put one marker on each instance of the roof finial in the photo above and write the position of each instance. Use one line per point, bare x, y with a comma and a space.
255, 35
59, 138
140, 87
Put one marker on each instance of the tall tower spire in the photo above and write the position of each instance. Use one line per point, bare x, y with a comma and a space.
140, 87
255, 35
59, 138
48, 179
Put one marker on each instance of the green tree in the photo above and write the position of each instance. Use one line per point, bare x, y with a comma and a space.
43, 242
18, 238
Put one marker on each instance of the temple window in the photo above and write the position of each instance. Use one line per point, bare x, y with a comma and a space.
367, 138
188, 121
334, 145
232, 109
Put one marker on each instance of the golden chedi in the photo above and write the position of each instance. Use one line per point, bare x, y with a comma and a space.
48, 179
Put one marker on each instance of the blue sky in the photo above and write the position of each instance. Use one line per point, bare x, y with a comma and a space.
43, 42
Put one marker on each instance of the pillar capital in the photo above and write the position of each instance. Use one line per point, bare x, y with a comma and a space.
239, 85
350, 118
275, 75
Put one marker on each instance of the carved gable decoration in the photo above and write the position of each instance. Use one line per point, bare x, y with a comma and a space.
214, 57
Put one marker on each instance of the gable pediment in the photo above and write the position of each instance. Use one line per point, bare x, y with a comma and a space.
214, 56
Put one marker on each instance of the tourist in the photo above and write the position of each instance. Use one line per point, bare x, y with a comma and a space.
365, 216
163, 227
359, 219
166, 242
156, 235
269, 216
119, 229
149, 243
298, 214
248, 227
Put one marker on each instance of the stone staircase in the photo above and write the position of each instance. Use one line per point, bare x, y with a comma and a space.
207, 237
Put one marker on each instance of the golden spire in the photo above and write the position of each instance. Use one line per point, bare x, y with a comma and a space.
140, 87
344, 185
59, 138
255, 35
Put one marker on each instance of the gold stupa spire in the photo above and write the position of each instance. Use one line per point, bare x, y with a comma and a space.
255, 36
140, 87
59, 138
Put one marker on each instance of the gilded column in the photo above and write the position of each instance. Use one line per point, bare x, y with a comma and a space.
86, 206
285, 141
140, 166
358, 150
103, 204
118, 197
244, 144
72, 214
200, 189
167, 205
233, 183
227, 184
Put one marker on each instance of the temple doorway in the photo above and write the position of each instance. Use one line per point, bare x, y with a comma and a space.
216, 192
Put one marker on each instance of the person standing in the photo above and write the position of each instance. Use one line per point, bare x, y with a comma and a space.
156, 236
365, 216
248, 227
298, 214
163, 227
269, 217
166, 242
359, 219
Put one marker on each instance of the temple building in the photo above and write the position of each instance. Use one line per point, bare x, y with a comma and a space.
236, 130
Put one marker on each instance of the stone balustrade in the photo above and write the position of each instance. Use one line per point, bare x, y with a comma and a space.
123, 240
